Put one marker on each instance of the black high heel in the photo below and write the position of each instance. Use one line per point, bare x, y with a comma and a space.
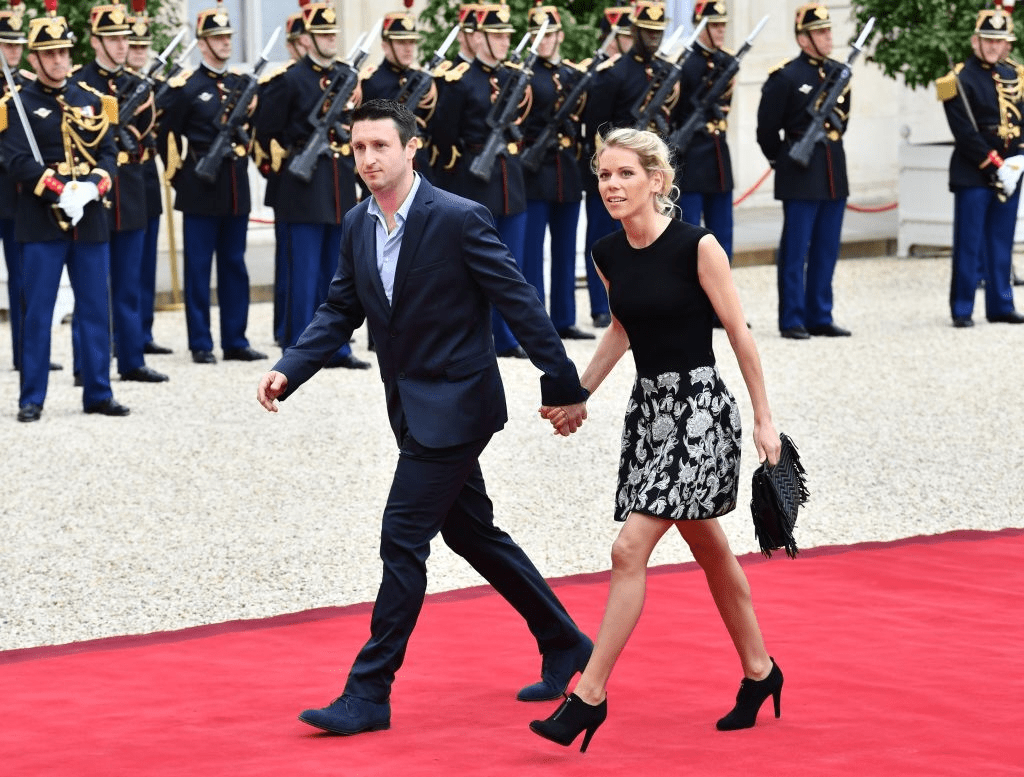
751, 696
574, 716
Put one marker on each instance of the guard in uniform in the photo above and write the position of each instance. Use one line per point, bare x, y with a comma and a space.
399, 42
12, 44
982, 98
215, 215
60, 217
107, 76
459, 130
310, 212
294, 26
140, 39
704, 169
813, 197
617, 85
554, 192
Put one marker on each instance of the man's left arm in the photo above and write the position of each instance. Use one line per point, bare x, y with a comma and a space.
495, 270
332, 325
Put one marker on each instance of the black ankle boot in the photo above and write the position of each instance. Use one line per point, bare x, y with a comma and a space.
574, 716
750, 698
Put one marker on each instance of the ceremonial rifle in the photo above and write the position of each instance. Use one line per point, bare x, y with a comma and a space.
534, 155
502, 116
177, 67
647, 108
325, 116
418, 82
825, 101
130, 105
683, 136
237, 111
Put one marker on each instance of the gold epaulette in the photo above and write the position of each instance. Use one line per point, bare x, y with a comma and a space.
778, 67
606, 64
74, 69
455, 73
367, 71
3, 115
109, 103
513, 65
277, 71
582, 65
441, 69
730, 52
179, 80
945, 87
27, 74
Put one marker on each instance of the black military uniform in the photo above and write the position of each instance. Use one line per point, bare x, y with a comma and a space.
459, 132
61, 219
310, 211
985, 135
11, 33
389, 79
128, 213
813, 197
704, 168
554, 191
216, 215
141, 37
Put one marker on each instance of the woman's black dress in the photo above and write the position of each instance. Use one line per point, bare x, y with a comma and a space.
680, 454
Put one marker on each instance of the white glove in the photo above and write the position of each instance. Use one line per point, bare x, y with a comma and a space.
75, 197
1010, 172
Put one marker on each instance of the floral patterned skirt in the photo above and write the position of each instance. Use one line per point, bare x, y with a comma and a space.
680, 455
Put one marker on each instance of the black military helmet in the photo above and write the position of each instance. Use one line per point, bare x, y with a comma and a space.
494, 17
12, 23
399, 25
714, 12
320, 18
811, 16
109, 21
467, 16
542, 12
213, 21
649, 15
616, 17
139, 24
49, 31
995, 23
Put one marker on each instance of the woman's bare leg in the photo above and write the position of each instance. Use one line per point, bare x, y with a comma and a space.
630, 553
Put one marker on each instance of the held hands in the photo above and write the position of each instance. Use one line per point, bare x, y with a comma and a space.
75, 197
271, 386
566, 419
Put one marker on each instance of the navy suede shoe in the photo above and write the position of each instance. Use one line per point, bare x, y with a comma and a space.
556, 670
349, 715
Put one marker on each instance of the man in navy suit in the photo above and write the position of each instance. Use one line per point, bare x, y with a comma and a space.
423, 267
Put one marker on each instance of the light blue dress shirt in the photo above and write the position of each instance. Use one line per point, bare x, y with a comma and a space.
389, 244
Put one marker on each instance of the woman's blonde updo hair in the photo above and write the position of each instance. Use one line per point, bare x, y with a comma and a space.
654, 158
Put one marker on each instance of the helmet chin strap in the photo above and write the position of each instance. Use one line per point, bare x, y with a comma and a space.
45, 72
106, 53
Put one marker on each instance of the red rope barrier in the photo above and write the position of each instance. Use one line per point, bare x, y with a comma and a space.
868, 209
857, 208
753, 188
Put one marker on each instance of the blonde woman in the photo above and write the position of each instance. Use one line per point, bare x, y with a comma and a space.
680, 458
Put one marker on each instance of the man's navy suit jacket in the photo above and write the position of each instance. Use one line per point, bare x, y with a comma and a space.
433, 341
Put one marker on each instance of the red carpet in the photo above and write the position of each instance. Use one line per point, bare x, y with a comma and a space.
900, 659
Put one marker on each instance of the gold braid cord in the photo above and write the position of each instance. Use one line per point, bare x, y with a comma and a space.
1009, 92
81, 133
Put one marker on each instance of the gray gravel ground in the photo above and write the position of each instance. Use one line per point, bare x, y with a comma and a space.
201, 507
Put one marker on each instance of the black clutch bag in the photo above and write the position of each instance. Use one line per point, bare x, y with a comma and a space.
776, 495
